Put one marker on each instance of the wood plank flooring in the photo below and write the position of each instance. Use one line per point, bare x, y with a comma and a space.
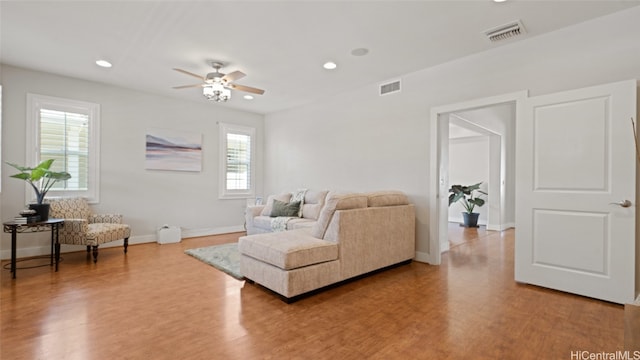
159, 303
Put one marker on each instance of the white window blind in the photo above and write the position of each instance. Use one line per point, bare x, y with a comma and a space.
64, 136
237, 161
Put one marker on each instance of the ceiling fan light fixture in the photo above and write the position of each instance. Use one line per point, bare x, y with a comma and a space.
216, 92
217, 86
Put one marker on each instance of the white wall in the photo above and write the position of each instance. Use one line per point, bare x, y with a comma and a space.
361, 141
146, 198
468, 165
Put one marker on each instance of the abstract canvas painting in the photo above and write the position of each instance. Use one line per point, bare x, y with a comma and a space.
173, 150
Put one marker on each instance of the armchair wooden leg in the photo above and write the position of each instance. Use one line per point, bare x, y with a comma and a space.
88, 248
126, 244
95, 254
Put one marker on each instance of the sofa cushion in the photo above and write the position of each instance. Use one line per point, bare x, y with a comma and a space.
264, 222
105, 232
387, 198
288, 250
281, 208
313, 203
269, 206
298, 223
335, 202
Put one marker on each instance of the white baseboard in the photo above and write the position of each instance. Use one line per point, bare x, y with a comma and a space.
26, 252
508, 226
501, 227
494, 227
460, 220
45, 249
423, 257
444, 247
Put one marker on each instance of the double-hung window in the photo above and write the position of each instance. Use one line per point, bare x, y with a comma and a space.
67, 131
237, 159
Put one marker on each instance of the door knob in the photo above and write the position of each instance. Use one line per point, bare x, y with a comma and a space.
624, 204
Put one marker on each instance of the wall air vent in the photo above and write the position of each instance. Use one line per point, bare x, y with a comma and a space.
506, 31
389, 88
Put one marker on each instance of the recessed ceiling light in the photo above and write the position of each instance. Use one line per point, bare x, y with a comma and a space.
499, 1
248, 97
103, 63
359, 52
330, 65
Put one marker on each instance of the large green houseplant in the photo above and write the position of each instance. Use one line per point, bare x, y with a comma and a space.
41, 178
469, 196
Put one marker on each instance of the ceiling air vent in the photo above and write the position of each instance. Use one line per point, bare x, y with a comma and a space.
389, 88
506, 31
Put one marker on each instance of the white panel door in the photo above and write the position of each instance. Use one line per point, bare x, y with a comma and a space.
575, 159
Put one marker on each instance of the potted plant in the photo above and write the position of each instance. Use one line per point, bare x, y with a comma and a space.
470, 197
41, 179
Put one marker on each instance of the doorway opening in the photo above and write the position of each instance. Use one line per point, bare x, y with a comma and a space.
494, 118
475, 157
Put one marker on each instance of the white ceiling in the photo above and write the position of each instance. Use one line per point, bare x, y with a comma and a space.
281, 45
478, 122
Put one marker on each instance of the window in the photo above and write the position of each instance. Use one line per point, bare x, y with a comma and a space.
67, 131
237, 151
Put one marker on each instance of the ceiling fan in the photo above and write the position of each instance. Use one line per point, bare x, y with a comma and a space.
217, 86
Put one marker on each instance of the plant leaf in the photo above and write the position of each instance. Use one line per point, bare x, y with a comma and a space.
21, 176
21, 168
58, 176
477, 201
37, 174
474, 187
455, 197
45, 165
465, 195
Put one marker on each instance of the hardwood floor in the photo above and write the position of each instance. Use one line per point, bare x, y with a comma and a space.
459, 235
159, 303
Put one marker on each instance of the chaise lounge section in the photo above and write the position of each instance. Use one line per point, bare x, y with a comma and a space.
355, 234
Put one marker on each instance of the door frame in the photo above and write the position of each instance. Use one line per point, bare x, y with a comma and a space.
439, 167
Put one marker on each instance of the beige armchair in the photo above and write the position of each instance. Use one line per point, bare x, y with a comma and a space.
82, 227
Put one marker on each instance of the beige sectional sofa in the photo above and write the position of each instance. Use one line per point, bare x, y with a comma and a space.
354, 234
258, 218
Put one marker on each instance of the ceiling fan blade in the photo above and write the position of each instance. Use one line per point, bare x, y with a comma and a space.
233, 76
187, 86
247, 89
189, 73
